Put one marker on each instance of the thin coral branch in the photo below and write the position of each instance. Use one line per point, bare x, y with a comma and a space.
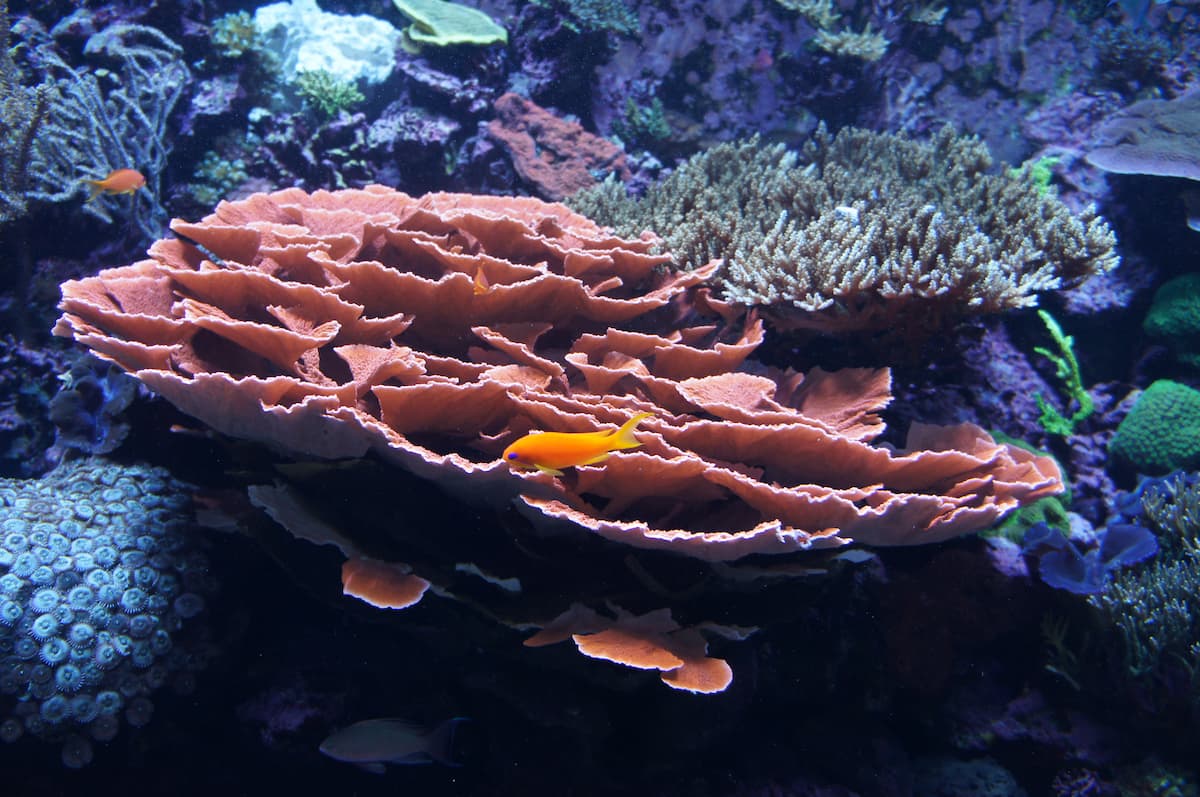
95, 128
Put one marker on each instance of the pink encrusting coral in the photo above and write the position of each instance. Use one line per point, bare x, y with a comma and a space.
436, 330
555, 156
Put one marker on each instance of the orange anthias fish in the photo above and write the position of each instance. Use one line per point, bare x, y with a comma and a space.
120, 181
550, 451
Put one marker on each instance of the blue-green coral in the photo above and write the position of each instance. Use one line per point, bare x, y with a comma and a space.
233, 35
1153, 612
217, 177
98, 572
595, 16
643, 124
325, 93
1174, 318
1040, 172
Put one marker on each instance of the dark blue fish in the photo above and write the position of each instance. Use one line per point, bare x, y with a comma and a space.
372, 743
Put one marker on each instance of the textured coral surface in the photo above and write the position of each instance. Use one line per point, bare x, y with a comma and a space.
436, 330
865, 231
100, 574
556, 156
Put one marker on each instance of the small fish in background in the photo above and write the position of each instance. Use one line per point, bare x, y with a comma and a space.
372, 743
118, 181
551, 451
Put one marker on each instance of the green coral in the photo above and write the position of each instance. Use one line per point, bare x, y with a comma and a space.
1174, 318
218, 177
1174, 508
440, 24
867, 45
931, 13
1066, 649
1040, 172
643, 124
1153, 612
325, 93
595, 16
1051, 510
823, 14
1066, 368
233, 35
1162, 432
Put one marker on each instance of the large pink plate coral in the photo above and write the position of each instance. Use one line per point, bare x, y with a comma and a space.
435, 330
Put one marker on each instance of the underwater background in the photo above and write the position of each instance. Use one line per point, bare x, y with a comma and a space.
600, 397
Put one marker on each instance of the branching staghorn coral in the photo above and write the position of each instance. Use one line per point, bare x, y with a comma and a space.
869, 45
821, 13
94, 128
1154, 612
864, 231
931, 13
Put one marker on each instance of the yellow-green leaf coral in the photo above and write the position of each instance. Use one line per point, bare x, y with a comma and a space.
440, 23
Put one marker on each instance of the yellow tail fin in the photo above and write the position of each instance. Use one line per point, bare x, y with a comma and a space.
623, 437
481, 282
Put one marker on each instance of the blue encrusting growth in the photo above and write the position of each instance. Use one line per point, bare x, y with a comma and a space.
97, 571
1063, 565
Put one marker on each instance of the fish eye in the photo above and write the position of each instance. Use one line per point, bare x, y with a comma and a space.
513, 455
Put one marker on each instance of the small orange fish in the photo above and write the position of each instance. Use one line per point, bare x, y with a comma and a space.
550, 451
120, 181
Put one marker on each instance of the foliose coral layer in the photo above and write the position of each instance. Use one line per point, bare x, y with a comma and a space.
437, 330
